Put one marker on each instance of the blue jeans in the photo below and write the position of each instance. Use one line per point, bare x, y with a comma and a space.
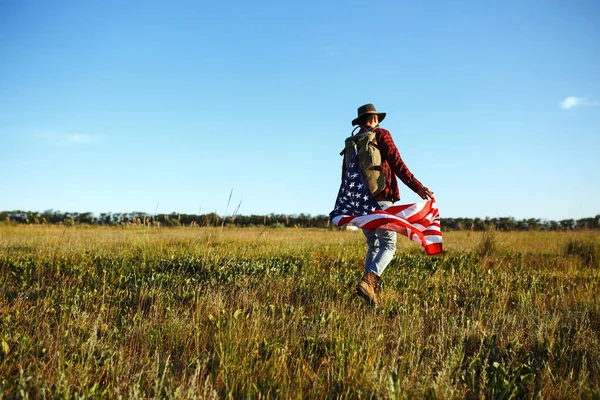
382, 246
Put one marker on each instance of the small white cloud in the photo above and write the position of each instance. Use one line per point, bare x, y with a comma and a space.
574, 101
66, 139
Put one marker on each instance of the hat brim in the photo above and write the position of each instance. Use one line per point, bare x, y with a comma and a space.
381, 116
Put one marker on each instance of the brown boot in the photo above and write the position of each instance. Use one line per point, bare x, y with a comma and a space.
366, 287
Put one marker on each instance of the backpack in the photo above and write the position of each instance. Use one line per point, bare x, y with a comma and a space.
369, 159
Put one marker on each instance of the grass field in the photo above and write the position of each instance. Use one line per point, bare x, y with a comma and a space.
140, 312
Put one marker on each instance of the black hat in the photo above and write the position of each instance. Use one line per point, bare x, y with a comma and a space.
367, 109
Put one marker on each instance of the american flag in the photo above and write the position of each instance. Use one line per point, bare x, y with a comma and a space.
355, 205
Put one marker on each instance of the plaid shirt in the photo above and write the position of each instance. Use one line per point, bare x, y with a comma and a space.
393, 166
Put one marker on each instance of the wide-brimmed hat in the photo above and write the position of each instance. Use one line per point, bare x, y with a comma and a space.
367, 109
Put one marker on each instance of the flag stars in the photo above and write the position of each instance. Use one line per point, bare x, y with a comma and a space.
354, 197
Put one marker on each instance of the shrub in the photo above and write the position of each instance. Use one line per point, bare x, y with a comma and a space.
488, 244
586, 250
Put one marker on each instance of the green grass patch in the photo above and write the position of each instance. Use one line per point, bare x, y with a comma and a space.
253, 313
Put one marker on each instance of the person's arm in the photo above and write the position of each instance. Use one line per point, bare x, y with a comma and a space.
390, 152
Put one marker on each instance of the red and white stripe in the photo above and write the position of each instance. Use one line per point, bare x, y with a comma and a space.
420, 222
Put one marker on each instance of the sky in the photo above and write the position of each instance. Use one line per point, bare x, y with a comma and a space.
174, 106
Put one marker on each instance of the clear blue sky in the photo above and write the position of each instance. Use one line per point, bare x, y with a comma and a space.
110, 106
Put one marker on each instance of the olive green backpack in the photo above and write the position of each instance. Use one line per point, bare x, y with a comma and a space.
369, 159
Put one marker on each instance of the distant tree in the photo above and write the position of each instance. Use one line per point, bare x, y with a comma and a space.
567, 224
553, 225
280, 220
533, 224
87, 218
105, 219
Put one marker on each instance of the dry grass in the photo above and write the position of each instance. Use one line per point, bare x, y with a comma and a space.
190, 312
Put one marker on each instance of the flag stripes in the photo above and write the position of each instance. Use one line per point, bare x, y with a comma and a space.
355, 205
420, 222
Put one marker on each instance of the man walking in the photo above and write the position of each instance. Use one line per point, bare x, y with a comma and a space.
382, 243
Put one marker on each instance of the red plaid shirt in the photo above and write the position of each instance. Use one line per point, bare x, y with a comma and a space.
393, 166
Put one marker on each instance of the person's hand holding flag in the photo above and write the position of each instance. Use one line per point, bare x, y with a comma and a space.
425, 193
355, 205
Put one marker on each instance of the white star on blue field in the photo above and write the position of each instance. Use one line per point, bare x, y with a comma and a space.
353, 197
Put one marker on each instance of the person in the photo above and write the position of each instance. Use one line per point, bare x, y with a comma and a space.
382, 243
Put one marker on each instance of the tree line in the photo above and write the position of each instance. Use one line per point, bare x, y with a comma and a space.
273, 220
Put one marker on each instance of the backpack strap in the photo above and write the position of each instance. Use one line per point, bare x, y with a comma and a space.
351, 135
